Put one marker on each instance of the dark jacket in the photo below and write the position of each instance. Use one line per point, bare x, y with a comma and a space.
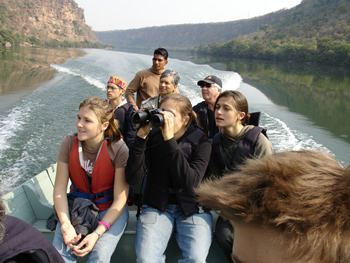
83, 215
24, 243
245, 149
206, 119
124, 114
227, 153
174, 168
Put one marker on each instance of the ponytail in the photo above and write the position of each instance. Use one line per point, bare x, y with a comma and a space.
112, 130
193, 119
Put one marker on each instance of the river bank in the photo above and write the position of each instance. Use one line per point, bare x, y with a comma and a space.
24, 69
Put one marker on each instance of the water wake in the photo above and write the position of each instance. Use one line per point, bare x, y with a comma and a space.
89, 79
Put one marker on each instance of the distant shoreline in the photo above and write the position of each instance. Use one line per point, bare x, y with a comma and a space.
26, 69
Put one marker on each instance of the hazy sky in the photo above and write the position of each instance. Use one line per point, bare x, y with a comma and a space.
104, 15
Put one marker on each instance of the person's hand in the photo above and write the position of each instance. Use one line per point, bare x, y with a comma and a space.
144, 130
70, 237
168, 127
86, 245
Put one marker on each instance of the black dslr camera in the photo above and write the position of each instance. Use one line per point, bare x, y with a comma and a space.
152, 115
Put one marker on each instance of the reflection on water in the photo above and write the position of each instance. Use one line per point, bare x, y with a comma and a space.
318, 92
24, 69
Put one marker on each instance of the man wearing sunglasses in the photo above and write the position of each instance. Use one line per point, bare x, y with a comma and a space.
146, 82
211, 87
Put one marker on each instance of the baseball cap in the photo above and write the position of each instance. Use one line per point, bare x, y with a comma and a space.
211, 79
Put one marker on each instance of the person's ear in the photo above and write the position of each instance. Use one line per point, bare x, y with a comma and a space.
105, 125
186, 120
241, 115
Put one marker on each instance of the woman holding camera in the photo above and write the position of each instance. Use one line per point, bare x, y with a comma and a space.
176, 156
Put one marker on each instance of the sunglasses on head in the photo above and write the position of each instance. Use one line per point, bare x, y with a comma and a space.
208, 85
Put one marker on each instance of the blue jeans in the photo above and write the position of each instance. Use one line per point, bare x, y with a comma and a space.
154, 229
104, 247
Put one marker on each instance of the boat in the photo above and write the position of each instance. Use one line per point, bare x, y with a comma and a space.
32, 202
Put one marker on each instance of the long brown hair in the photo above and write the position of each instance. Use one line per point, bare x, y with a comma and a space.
185, 107
104, 113
239, 102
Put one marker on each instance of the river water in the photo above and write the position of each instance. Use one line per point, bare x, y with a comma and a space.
33, 123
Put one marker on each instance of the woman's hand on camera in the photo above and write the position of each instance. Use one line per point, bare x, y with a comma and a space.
168, 127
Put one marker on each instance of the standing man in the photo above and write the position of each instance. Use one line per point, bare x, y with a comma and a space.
211, 88
146, 82
122, 109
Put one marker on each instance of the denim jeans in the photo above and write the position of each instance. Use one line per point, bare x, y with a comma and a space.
154, 229
104, 247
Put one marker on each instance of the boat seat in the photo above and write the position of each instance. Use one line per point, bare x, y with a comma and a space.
17, 204
39, 191
32, 201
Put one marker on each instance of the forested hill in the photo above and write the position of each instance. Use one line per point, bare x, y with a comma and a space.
315, 31
55, 22
187, 35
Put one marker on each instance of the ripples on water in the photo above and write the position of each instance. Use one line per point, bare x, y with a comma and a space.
31, 131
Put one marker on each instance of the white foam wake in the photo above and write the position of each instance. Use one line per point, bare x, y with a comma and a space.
12, 123
89, 79
283, 138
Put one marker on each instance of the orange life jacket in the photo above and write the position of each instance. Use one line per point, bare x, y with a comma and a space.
101, 189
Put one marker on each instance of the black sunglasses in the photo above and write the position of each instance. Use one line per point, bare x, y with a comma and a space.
208, 85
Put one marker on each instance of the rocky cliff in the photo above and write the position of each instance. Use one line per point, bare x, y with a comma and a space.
46, 20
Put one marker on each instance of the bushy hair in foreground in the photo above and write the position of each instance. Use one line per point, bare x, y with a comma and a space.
305, 195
